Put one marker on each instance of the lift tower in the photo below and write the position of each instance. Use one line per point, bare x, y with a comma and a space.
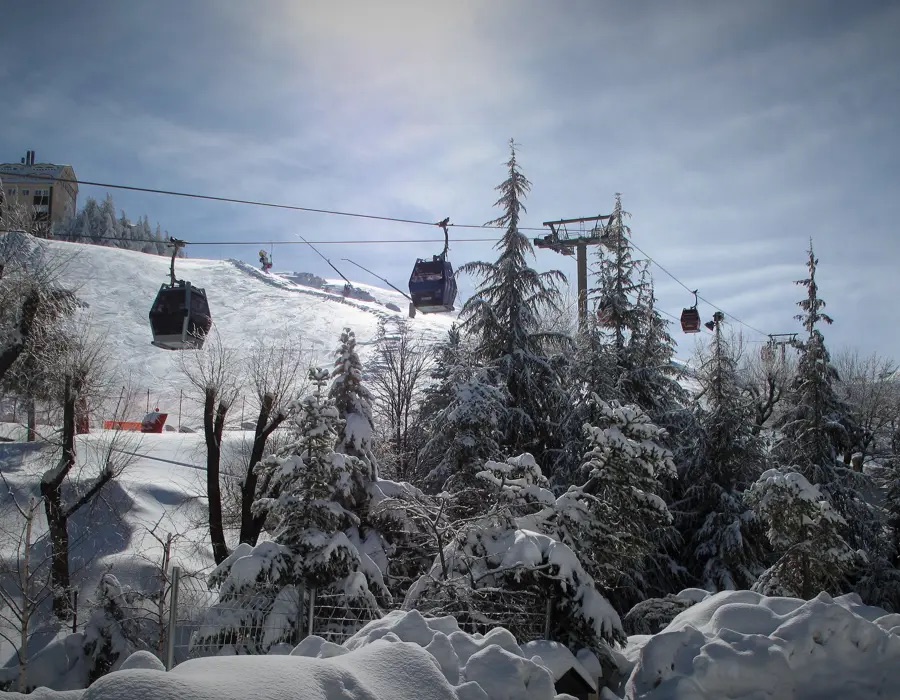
562, 240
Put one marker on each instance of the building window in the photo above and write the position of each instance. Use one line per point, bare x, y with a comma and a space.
24, 193
41, 198
12, 191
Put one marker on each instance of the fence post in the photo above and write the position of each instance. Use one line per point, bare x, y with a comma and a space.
173, 617
547, 614
311, 611
300, 616
180, 399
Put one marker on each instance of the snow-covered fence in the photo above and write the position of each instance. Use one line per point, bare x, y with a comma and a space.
244, 628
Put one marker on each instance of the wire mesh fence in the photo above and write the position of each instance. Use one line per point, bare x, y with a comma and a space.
275, 621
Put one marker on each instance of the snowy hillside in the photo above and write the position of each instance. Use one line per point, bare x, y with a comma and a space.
119, 286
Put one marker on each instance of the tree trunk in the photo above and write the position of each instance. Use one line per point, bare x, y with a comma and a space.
57, 517
30, 419
266, 423
213, 424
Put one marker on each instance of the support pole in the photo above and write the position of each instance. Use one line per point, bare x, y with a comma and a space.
173, 618
582, 285
311, 611
548, 612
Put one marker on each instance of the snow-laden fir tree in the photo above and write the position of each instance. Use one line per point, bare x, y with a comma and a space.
352, 399
626, 353
624, 467
814, 425
726, 545
616, 519
499, 568
503, 318
466, 433
319, 540
805, 532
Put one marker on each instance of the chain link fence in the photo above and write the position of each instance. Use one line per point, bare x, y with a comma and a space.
257, 625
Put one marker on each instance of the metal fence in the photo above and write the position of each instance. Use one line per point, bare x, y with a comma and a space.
255, 625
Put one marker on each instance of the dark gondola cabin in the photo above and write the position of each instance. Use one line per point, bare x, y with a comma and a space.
690, 320
180, 317
432, 285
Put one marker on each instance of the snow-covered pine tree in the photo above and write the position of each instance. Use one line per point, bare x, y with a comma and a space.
650, 379
503, 318
805, 532
814, 425
620, 281
352, 399
319, 539
112, 631
466, 433
726, 547
628, 521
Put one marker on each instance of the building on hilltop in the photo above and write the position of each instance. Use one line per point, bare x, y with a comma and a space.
45, 191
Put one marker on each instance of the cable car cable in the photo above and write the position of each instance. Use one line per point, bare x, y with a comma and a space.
250, 202
232, 200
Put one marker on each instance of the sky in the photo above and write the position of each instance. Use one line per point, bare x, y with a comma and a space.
736, 132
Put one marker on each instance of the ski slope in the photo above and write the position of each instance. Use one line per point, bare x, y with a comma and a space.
118, 288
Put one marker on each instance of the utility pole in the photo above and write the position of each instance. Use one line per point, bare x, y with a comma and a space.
561, 240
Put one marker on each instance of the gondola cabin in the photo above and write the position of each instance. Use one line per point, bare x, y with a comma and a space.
180, 317
432, 285
690, 320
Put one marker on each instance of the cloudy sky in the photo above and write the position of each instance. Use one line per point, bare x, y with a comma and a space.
735, 131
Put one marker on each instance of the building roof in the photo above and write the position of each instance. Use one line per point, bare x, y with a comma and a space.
11, 172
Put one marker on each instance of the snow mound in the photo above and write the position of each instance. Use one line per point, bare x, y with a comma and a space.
143, 659
742, 645
374, 672
491, 666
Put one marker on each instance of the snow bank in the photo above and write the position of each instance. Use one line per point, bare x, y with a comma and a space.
403, 656
742, 645
374, 672
491, 666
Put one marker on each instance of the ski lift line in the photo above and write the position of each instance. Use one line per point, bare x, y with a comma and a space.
694, 292
250, 202
171, 461
324, 258
256, 243
379, 277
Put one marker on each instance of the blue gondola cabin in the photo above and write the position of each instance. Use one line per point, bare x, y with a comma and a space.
432, 285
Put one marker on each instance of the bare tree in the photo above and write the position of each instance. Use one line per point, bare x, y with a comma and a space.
869, 387
766, 380
24, 579
212, 371
277, 376
31, 301
75, 373
397, 380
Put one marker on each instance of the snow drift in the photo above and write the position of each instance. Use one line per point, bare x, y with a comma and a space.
742, 645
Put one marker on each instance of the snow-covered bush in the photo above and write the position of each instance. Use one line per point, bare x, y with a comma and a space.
111, 633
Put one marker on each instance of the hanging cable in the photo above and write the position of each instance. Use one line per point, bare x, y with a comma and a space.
333, 212
694, 292
250, 202
325, 259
